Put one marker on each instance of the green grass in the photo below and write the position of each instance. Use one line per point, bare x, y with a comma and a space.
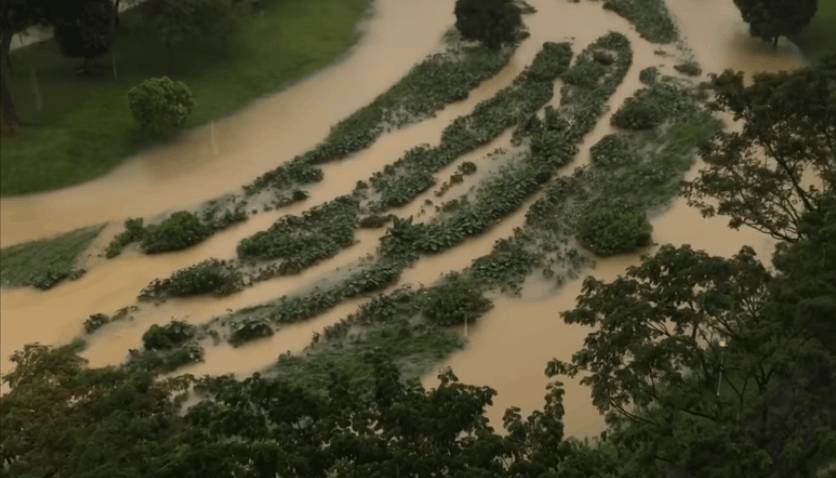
84, 128
46, 262
819, 38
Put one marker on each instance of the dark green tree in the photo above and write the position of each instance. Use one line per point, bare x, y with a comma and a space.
782, 162
492, 22
179, 21
84, 29
707, 366
772, 19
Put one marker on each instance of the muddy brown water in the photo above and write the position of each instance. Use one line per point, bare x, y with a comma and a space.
508, 349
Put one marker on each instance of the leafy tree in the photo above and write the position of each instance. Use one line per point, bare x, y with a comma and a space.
84, 29
757, 175
161, 105
702, 368
492, 22
772, 19
180, 21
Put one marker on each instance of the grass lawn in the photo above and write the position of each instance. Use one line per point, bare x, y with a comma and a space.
46, 262
819, 38
83, 127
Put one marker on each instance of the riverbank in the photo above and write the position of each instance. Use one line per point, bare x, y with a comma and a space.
63, 141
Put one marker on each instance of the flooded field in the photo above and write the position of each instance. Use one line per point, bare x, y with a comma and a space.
508, 348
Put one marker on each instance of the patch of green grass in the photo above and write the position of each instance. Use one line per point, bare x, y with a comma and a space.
84, 127
46, 262
819, 38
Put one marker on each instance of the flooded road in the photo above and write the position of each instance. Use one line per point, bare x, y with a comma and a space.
508, 349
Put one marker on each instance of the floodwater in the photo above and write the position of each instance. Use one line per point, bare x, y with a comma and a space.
508, 348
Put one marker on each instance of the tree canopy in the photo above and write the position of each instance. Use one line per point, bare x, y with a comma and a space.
782, 162
492, 22
772, 19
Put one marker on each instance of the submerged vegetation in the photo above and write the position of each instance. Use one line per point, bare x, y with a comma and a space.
211, 276
46, 262
651, 18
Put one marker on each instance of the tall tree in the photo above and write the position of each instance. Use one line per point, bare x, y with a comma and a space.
492, 22
772, 19
782, 162
15, 17
179, 21
84, 29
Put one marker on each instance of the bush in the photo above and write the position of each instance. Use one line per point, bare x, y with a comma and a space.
161, 105
492, 22
610, 229
649, 75
180, 231
243, 332
455, 301
208, 277
133, 232
650, 107
611, 151
168, 336
95, 322
690, 68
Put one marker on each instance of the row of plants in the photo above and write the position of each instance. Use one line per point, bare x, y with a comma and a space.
402, 181
440, 79
180, 230
211, 276
651, 18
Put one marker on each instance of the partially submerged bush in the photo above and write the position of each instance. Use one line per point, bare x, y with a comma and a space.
649, 75
650, 17
212, 276
95, 322
611, 229
134, 229
690, 68
168, 336
161, 105
245, 331
454, 301
650, 106
179, 231
612, 150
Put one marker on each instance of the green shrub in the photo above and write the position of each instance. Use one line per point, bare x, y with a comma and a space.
611, 229
455, 301
95, 322
374, 221
133, 233
612, 150
169, 336
245, 331
161, 105
649, 75
212, 276
690, 68
650, 107
467, 168
179, 231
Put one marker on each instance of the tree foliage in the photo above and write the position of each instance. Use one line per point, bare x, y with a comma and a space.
492, 22
161, 105
609, 229
783, 160
708, 366
84, 28
772, 19
180, 21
